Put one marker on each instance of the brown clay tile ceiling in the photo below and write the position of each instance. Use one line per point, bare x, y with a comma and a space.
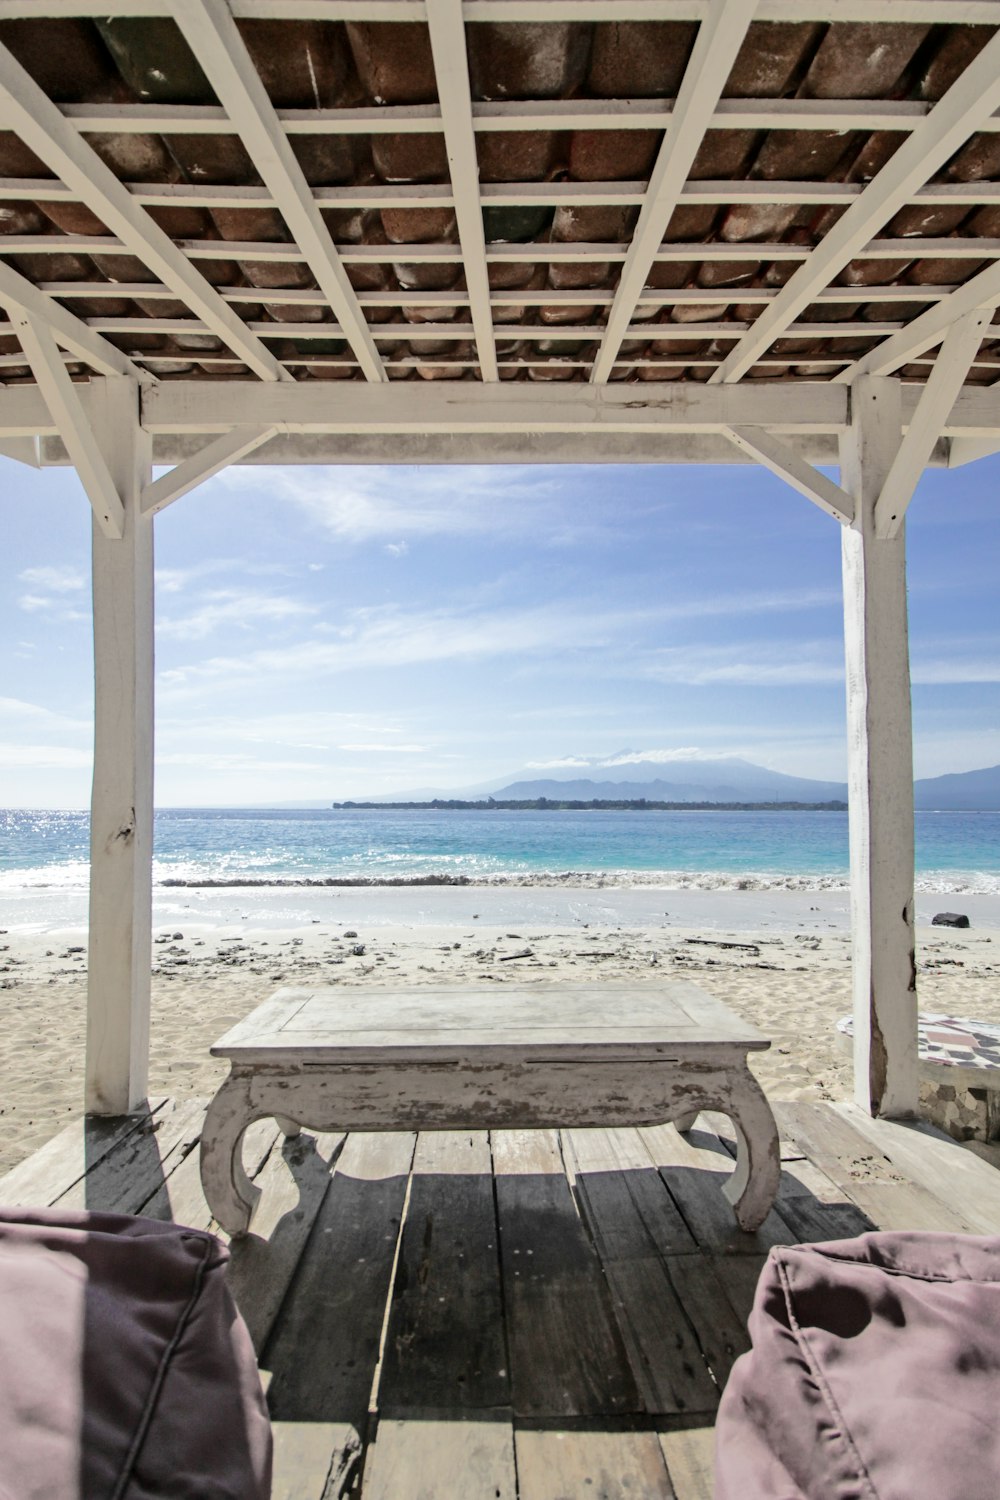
570, 121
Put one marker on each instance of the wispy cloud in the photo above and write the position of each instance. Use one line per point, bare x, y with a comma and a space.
50, 593
363, 503
232, 607
757, 664
54, 580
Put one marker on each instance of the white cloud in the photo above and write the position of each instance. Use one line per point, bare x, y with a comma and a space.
397, 549
384, 749
54, 580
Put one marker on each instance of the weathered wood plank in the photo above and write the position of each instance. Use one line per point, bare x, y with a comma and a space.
815, 1208
55, 1167
633, 1222
181, 1198
444, 1346
567, 1356
690, 1167
864, 1172
294, 1178
324, 1347
600, 1465
441, 1460
700, 1284
967, 1186
309, 1464
616, 1181
125, 1178
690, 1456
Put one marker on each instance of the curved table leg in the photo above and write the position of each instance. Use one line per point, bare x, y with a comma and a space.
288, 1127
228, 1190
754, 1184
683, 1122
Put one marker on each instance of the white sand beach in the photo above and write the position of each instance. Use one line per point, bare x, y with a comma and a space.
781, 959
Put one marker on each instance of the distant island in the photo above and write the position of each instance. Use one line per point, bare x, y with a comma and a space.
596, 804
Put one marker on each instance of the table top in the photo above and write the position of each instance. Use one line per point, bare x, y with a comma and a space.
542, 1020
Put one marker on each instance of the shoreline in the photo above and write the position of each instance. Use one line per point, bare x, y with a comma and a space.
566, 902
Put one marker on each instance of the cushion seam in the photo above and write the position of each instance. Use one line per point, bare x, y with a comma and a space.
911, 1275
822, 1384
142, 1426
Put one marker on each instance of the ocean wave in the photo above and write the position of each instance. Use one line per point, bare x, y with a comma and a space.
75, 876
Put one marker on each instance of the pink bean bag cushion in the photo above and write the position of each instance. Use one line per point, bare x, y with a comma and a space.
126, 1372
874, 1374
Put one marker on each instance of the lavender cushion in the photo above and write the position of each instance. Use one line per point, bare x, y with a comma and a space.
126, 1372
874, 1372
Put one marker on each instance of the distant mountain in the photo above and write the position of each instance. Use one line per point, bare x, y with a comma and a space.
720, 780
971, 791
621, 778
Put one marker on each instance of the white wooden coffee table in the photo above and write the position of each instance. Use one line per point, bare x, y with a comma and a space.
499, 1056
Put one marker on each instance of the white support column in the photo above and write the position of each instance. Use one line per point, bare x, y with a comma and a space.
121, 835
880, 765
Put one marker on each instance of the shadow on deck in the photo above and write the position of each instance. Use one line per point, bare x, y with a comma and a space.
535, 1314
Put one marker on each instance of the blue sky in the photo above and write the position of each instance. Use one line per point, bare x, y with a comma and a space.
337, 632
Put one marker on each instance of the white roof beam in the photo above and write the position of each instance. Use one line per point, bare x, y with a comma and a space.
27, 110
719, 39
783, 461
966, 450
970, 12
982, 291
509, 115
68, 414
69, 331
971, 99
214, 37
451, 67
936, 400
25, 450
227, 449
212, 406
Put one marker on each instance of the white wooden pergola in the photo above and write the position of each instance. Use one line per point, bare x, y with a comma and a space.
836, 315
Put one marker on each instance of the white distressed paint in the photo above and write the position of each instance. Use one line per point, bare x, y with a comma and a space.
880, 765
121, 839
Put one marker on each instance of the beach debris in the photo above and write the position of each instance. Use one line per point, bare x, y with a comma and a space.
350, 933
521, 953
358, 950
751, 948
950, 919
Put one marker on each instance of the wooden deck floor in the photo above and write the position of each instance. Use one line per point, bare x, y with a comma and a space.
547, 1315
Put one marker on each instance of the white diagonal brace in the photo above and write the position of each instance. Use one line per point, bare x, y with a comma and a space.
719, 39
214, 37
970, 100
26, 450
451, 66
775, 455
936, 400
69, 331
25, 109
923, 333
67, 412
226, 449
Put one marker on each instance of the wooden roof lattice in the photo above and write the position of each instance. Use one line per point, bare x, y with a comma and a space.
498, 195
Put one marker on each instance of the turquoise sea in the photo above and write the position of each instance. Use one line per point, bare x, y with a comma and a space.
956, 852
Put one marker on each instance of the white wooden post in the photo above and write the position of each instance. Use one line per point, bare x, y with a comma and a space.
121, 836
880, 765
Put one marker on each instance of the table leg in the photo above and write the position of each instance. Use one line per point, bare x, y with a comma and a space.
287, 1126
228, 1190
754, 1184
685, 1121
